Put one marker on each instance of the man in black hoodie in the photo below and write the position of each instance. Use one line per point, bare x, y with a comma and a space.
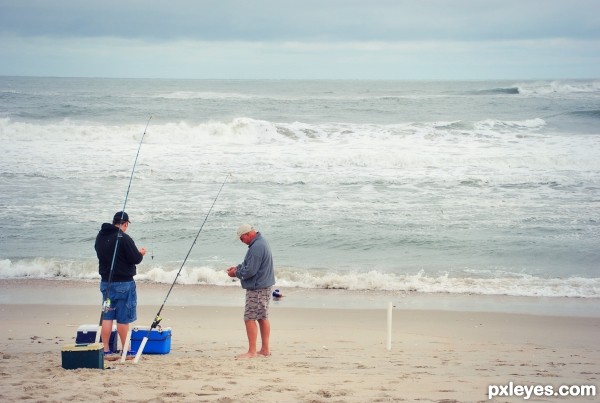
119, 286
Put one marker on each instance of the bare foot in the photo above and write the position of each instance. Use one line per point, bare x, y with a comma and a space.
247, 355
264, 353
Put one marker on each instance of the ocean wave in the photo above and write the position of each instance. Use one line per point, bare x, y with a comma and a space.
593, 114
558, 87
536, 123
191, 95
425, 153
246, 130
503, 283
502, 90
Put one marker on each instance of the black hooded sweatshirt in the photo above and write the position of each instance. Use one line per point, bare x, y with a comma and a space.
127, 257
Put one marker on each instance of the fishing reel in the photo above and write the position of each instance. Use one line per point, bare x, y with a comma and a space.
156, 322
106, 305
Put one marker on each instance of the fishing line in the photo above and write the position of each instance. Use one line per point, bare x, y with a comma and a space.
106, 301
157, 318
152, 250
152, 226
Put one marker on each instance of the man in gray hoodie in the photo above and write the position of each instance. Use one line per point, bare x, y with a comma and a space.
257, 277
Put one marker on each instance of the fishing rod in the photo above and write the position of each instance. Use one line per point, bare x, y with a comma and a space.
106, 301
157, 318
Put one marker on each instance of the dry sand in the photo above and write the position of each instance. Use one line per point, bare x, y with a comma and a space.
319, 354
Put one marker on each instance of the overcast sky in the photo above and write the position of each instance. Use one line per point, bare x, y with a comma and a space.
280, 39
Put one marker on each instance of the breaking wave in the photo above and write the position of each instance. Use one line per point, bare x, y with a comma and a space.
513, 284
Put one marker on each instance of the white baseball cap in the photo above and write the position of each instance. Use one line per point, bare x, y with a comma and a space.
244, 229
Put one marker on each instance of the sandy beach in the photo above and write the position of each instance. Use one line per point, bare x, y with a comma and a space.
323, 353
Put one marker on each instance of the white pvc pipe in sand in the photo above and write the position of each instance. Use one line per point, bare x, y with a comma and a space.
98, 333
389, 325
140, 350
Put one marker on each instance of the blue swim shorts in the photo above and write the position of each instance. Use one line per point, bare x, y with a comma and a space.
123, 301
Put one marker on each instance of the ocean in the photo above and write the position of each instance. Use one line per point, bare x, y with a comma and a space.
462, 187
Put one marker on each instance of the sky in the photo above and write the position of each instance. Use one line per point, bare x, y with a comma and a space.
301, 39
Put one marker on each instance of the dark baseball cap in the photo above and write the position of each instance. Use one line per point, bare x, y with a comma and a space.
120, 217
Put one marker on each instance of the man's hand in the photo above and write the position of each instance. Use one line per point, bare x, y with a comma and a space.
231, 272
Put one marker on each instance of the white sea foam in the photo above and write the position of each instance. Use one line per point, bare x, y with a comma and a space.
513, 284
251, 131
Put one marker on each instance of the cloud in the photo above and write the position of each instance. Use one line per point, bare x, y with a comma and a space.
301, 39
306, 20
117, 57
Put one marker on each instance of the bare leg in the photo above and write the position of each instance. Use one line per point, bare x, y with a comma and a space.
265, 335
105, 333
123, 329
252, 333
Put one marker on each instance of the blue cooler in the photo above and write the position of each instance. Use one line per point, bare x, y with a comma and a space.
87, 334
159, 340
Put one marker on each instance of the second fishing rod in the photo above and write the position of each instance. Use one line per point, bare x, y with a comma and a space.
157, 319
